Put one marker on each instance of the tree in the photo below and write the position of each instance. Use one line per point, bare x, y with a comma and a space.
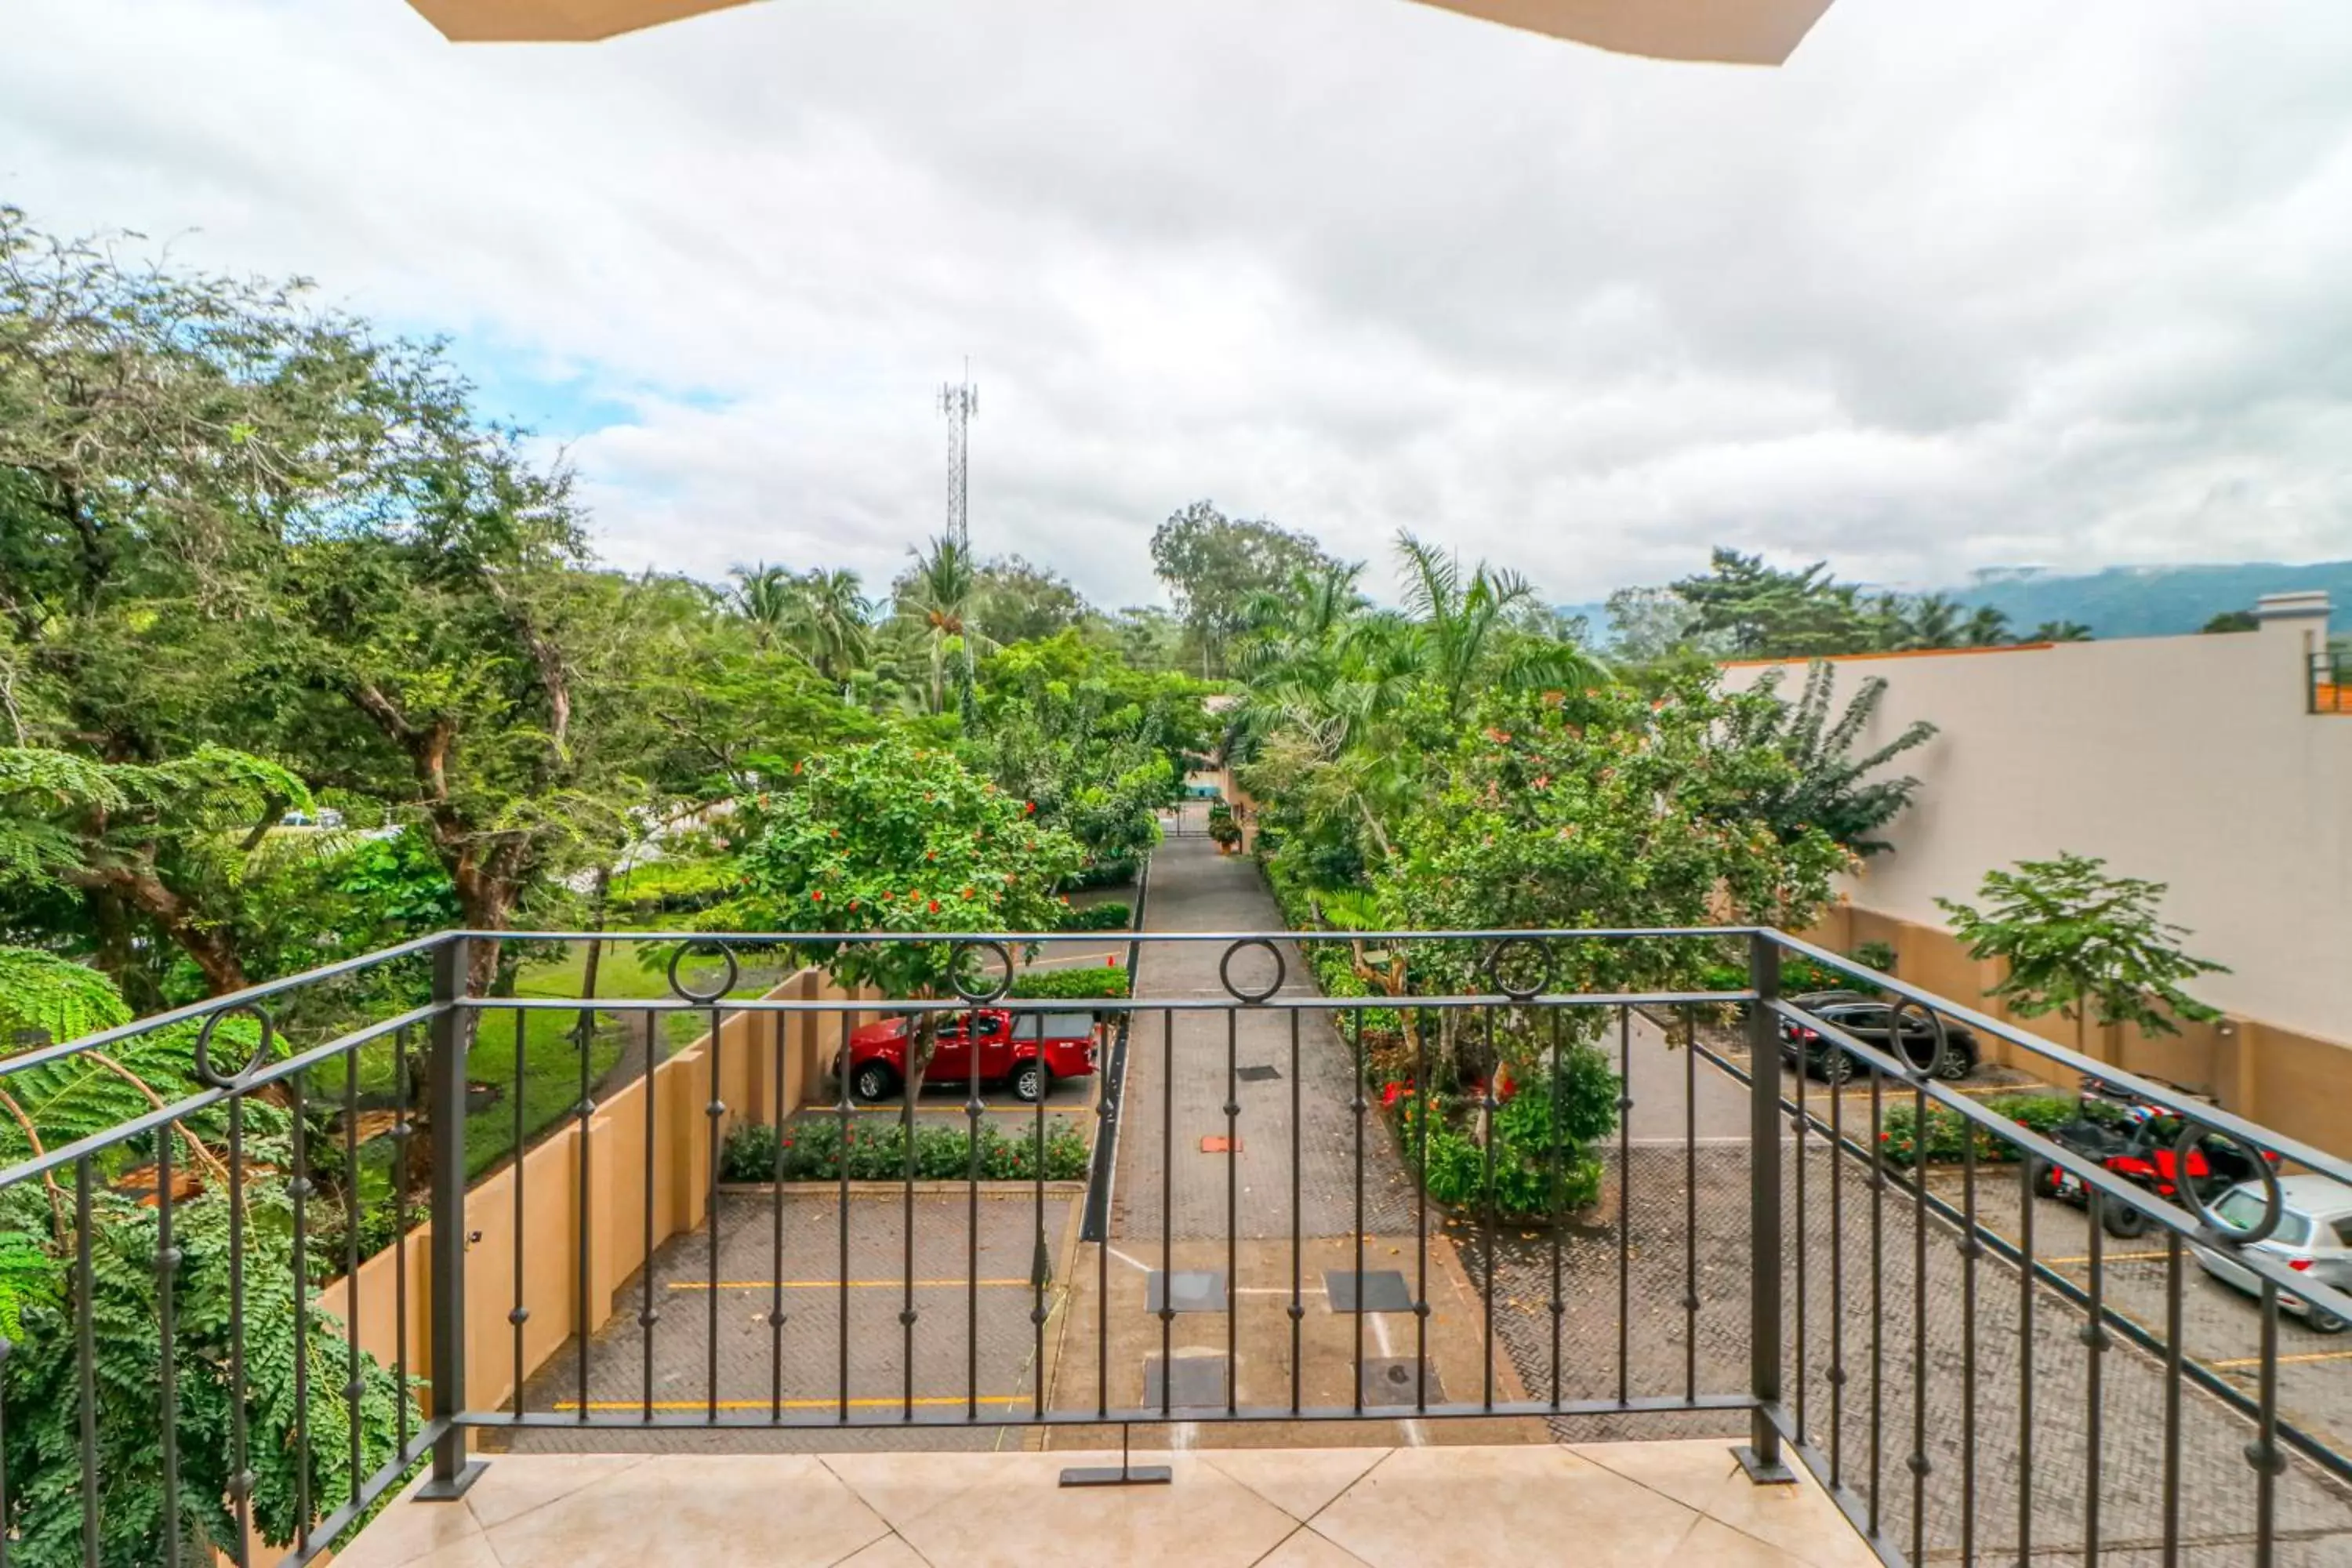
939, 598
2082, 944
1466, 635
1987, 627
1022, 602
2232, 621
894, 836
1213, 565
1646, 625
2060, 631
1829, 787
1762, 611
765, 596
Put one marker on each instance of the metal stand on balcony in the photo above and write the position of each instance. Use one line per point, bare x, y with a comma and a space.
1126, 1475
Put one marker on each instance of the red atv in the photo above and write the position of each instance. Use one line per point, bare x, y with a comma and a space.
2140, 1142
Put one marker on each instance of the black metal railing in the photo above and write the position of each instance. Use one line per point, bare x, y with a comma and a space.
2330, 688
1492, 1197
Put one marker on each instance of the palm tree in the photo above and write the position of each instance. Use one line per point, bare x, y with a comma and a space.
1989, 627
1466, 630
2061, 631
942, 599
764, 595
834, 621
1931, 621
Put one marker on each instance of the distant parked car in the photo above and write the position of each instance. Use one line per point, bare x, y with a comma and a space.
1025, 1051
2313, 1237
1870, 1019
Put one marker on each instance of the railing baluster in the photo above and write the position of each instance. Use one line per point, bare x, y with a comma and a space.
647, 1313
776, 1315
1488, 1103
1624, 1202
1918, 1460
2025, 1362
582, 1256
1690, 1205
1356, 1100
451, 1036
841, 1209
1297, 1301
906, 1314
1835, 1064
1970, 1247
519, 1313
2094, 1344
1167, 1210
2267, 1460
299, 1189
1233, 1216
1422, 1101
240, 1476
1798, 1127
2172, 1331
167, 1369
86, 1357
1877, 1290
403, 1130
354, 1388
1041, 1266
973, 1108
1558, 1202
715, 1109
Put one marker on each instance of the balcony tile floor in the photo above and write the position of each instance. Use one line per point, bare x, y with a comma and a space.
1617, 1503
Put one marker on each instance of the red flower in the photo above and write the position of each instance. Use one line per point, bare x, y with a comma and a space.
935, 905
1030, 809
817, 896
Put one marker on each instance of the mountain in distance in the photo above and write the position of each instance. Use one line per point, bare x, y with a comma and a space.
2147, 601
2120, 601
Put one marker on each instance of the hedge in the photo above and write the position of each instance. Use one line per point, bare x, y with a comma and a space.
1098, 917
812, 1150
1897, 1135
1086, 983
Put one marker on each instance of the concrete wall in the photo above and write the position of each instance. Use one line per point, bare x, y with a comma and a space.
759, 1062
2190, 761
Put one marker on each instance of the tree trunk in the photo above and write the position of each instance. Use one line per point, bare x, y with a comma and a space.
597, 907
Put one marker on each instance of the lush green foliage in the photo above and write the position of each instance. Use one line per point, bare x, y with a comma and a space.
1078, 982
814, 1149
2079, 942
1216, 566
1948, 1133
1112, 916
1536, 1139
1832, 788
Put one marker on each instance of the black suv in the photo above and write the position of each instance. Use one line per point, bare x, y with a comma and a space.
1870, 1020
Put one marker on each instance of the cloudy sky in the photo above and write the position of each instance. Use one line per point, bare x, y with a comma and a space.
1964, 285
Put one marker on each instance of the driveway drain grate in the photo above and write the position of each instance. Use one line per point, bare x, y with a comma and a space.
1186, 1290
1383, 1291
1199, 1383
1258, 1072
1389, 1381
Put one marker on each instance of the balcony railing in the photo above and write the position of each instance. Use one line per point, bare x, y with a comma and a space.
1972, 1371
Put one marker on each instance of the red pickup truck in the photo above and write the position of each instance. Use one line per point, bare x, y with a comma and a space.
1027, 1051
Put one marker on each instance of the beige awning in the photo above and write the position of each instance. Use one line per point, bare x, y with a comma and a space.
1747, 32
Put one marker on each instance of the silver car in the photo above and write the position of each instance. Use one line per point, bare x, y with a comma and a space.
2313, 1237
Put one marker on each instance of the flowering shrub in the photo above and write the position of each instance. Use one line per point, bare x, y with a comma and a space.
814, 1149
1900, 1141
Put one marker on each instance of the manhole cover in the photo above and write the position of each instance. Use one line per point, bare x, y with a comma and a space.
1186, 1290
1383, 1291
1200, 1383
1391, 1381
1258, 1072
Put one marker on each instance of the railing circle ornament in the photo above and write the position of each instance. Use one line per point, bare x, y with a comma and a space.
1225, 969
207, 1071
1940, 1049
2193, 1134
686, 993
958, 969
1498, 966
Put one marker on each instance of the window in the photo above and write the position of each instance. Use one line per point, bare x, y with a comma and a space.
2242, 1210
2343, 1231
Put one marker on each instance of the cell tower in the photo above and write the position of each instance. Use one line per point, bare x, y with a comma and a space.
958, 402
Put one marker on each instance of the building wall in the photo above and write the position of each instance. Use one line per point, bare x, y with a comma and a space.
2190, 761
760, 1062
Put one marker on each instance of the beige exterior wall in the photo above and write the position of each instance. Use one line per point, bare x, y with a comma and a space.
2190, 761
744, 1062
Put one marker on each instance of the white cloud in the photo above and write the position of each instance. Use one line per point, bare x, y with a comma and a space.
1961, 286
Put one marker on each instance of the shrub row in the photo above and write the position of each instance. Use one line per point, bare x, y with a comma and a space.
874, 1150
1096, 917
1947, 1134
1087, 982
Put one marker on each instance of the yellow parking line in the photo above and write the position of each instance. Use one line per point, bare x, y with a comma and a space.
568, 1405
2115, 1258
835, 1284
2308, 1356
